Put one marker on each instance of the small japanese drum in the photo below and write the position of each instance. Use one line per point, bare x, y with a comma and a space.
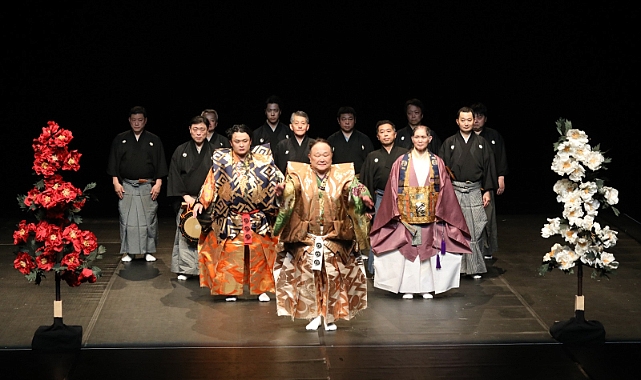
189, 226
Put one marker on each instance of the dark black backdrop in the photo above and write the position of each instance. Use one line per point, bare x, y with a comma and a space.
85, 65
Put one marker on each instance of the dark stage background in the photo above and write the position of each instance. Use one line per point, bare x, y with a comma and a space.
84, 65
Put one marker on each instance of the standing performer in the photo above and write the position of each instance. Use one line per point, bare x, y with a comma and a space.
137, 164
323, 226
471, 161
236, 247
188, 169
376, 169
490, 234
419, 232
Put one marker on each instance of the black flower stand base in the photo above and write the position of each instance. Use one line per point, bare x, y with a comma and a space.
57, 337
577, 330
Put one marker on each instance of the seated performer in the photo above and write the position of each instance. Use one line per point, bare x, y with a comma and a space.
233, 208
419, 232
323, 227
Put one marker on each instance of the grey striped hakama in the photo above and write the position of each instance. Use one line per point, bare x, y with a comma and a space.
490, 233
138, 218
471, 200
184, 257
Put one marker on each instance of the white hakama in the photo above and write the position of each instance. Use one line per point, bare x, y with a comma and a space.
396, 274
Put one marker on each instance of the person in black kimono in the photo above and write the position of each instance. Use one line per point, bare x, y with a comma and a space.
188, 169
137, 165
296, 148
349, 144
500, 159
376, 168
273, 131
215, 139
471, 161
414, 110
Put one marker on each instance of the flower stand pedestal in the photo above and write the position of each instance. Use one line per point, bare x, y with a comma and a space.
577, 330
57, 337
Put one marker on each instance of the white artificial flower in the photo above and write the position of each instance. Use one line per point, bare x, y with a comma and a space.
577, 172
572, 199
552, 228
563, 164
608, 237
577, 136
588, 222
553, 251
565, 149
593, 160
608, 261
563, 186
611, 195
570, 235
566, 258
592, 207
581, 246
582, 152
588, 189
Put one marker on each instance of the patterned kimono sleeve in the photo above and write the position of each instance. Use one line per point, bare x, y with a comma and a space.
207, 197
208, 193
286, 201
357, 212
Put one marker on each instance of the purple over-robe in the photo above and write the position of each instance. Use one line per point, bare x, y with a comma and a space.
388, 233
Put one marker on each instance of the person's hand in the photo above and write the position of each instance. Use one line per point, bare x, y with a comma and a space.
486, 199
501, 188
198, 208
279, 189
189, 199
119, 190
155, 190
368, 201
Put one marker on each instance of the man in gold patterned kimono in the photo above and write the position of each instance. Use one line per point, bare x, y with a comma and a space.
234, 208
323, 227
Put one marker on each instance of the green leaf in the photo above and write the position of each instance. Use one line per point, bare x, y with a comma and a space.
89, 187
543, 269
615, 210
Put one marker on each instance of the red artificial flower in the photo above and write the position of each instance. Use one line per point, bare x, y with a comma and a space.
48, 199
42, 167
89, 242
72, 234
48, 132
71, 260
87, 276
46, 261
31, 197
24, 263
22, 234
72, 161
62, 137
69, 192
54, 241
42, 230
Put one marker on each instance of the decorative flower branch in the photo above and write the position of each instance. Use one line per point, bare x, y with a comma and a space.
583, 193
53, 242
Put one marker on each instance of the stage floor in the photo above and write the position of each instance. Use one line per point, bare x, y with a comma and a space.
139, 321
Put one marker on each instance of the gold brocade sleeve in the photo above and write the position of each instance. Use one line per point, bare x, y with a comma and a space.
356, 210
287, 201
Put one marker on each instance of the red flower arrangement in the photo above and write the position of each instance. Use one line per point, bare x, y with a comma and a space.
53, 241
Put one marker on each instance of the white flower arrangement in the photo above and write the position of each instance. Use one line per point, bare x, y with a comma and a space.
582, 194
